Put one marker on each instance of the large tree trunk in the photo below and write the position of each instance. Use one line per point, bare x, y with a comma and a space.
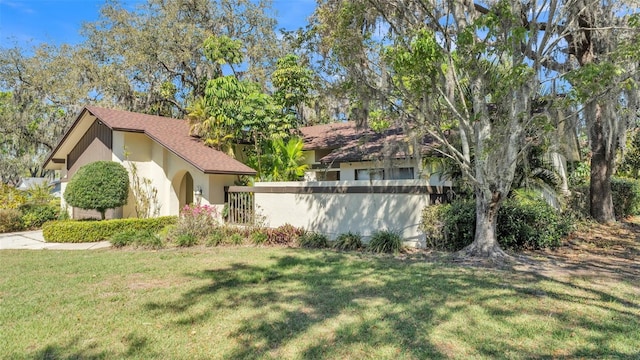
602, 164
485, 243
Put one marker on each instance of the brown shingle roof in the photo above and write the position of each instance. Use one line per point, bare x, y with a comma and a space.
329, 136
173, 134
351, 143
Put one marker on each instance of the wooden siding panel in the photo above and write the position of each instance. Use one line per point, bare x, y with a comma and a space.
97, 130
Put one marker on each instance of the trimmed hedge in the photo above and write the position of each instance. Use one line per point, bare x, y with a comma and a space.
522, 224
71, 231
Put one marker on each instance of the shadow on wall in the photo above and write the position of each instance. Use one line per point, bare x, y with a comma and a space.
366, 213
334, 210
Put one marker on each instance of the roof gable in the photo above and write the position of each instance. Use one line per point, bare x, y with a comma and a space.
173, 134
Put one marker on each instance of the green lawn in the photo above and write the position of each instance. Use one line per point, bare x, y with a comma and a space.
243, 303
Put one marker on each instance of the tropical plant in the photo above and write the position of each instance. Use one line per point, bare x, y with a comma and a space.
286, 160
535, 173
385, 241
39, 194
313, 240
293, 84
348, 241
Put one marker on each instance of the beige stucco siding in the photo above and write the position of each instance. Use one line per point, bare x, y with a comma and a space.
336, 213
168, 173
96, 151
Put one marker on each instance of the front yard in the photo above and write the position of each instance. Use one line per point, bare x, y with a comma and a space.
582, 301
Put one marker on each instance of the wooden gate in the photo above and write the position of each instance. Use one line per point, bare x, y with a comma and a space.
240, 205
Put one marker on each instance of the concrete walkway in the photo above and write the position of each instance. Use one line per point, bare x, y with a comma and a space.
33, 240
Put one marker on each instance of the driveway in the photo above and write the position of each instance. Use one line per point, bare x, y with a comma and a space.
33, 240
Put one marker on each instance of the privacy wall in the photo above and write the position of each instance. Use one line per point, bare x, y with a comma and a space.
333, 208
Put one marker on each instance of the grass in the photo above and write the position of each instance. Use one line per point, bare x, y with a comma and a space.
264, 303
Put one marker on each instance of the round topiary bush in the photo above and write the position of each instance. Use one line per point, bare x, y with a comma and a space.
100, 185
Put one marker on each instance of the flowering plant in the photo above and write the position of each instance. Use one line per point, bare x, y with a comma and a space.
197, 220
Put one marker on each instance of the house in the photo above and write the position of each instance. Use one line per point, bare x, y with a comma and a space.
180, 167
29, 183
344, 151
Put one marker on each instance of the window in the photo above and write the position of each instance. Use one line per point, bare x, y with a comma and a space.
401, 173
369, 174
379, 174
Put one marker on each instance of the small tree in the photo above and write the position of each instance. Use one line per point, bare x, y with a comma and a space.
100, 185
287, 160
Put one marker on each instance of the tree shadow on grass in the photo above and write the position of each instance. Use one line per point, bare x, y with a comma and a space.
333, 305
75, 349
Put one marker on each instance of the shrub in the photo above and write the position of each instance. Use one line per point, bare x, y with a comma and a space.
236, 239
123, 238
530, 225
459, 224
148, 239
34, 215
313, 240
167, 232
348, 241
63, 214
286, 234
197, 221
10, 220
259, 237
100, 185
216, 237
385, 241
626, 197
432, 225
72, 231
186, 240
10, 197
139, 238
578, 203
522, 223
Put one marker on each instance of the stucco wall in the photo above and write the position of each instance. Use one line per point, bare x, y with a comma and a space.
336, 213
167, 172
95, 152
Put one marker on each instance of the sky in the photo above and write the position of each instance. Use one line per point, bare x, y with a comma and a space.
31, 22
